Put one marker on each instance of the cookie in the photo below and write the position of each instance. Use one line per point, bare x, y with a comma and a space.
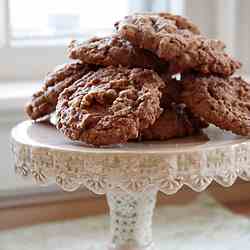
175, 40
225, 102
206, 56
110, 106
166, 35
181, 22
113, 50
44, 101
176, 121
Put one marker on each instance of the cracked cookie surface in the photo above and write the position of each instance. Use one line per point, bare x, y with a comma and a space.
206, 56
44, 101
110, 106
176, 41
225, 102
113, 51
164, 34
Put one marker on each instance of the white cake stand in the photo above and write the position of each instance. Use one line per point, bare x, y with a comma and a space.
132, 174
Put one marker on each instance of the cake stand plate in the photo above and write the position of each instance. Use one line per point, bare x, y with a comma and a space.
130, 175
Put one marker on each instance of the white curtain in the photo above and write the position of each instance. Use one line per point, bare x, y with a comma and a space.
228, 20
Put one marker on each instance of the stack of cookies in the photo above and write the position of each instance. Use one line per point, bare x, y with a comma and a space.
155, 78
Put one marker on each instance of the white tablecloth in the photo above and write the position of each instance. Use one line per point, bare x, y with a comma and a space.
202, 225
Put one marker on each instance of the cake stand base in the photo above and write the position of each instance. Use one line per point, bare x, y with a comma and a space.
131, 219
130, 175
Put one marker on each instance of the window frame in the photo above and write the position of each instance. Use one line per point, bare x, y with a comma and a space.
20, 63
4, 23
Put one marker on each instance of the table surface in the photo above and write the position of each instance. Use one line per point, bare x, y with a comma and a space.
201, 223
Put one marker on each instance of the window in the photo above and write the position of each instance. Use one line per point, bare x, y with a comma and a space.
54, 20
59, 20
34, 34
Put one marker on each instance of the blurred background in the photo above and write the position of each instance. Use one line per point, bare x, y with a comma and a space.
34, 36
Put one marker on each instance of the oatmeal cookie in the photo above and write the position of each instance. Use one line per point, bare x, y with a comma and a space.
44, 101
177, 42
163, 34
113, 50
206, 56
224, 102
176, 121
181, 22
110, 106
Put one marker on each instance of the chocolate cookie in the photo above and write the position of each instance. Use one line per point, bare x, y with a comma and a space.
115, 51
166, 35
44, 101
181, 22
178, 41
176, 121
110, 106
206, 56
224, 102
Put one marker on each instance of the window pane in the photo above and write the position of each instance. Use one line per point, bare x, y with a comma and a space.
31, 19
35, 22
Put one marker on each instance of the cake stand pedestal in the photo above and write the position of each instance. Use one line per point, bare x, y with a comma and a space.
130, 175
